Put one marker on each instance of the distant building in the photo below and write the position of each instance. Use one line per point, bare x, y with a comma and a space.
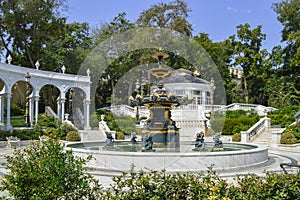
236, 73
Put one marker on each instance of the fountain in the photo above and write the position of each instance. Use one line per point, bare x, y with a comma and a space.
161, 147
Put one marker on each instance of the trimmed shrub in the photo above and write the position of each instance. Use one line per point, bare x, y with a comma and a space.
73, 136
288, 137
237, 137
52, 133
120, 135
47, 121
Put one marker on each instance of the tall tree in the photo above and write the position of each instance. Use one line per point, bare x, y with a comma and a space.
27, 26
70, 48
288, 15
246, 55
171, 15
221, 53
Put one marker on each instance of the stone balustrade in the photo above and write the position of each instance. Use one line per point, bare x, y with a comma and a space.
262, 125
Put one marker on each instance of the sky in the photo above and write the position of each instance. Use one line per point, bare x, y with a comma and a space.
218, 18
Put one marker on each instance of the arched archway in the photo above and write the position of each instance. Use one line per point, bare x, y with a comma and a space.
49, 95
13, 80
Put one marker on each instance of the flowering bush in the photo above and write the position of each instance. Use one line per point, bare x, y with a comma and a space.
160, 185
44, 170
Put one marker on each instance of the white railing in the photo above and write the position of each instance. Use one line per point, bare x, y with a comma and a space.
260, 109
104, 129
129, 111
258, 127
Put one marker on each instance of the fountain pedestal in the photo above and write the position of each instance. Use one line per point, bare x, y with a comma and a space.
159, 125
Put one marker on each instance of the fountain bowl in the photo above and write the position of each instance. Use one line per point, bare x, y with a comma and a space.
109, 161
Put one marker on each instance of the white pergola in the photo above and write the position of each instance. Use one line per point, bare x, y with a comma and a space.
11, 74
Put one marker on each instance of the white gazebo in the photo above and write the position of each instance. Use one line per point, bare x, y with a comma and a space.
190, 118
11, 74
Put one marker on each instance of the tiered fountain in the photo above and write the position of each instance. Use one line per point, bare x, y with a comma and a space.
161, 148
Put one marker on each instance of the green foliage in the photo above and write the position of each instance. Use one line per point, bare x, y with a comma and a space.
247, 54
61, 131
28, 134
236, 137
210, 132
125, 124
47, 121
44, 170
73, 136
24, 134
17, 109
239, 120
94, 120
171, 15
161, 185
288, 137
120, 135
284, 116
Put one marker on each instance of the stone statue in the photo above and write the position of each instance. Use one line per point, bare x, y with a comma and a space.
199, 145
133, 137
109, 140
148, 143
218, 142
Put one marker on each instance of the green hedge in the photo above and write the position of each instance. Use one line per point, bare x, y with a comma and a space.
283, 116
237, 121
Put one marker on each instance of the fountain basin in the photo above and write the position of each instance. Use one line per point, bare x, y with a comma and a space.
240, 155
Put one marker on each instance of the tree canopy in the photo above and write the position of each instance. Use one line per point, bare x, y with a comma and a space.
37, 30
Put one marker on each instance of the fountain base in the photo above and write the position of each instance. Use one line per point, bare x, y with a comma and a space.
233, 156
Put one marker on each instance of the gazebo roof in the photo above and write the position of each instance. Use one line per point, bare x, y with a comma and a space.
183, 76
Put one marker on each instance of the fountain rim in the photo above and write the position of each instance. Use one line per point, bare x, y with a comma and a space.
257, 148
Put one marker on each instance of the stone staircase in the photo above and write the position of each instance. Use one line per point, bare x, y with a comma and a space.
264, 138
92, 135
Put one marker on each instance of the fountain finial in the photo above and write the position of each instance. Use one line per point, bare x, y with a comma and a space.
160, 55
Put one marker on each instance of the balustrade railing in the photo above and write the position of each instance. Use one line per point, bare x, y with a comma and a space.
263, 123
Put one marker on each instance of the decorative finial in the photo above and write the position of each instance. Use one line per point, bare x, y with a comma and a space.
63, 68
160, 55
88, 72
37, 65
9, 59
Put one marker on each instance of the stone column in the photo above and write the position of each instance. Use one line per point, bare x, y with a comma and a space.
1, 110
58, 108
63, 100
36, 101
8, 125
87, 115
244, 136
267, 123
31, 110
204, 100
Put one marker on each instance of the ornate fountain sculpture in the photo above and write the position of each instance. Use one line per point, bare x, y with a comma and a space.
159, 126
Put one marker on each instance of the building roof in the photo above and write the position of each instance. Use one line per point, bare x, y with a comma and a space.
183, 76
